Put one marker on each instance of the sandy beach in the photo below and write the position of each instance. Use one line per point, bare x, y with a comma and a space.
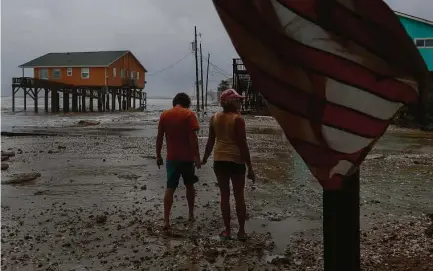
97, 204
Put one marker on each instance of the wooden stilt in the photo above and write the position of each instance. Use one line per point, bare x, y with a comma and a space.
13, 99
57, 102
74, 100
91, 100
341, 230
65, 102
124, 100
53, 100
35, 95
83, 99
100, 102
25, 99
113, 100
46, 99
135, 98
107, 100
119, 99
145, 100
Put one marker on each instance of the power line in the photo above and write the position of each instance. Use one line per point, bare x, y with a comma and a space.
171, 65
220, 71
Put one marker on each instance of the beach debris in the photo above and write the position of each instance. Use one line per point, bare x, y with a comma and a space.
88, 122
144, 187
5, 158
22, 178
128, 176
52, 151
8, 153
4, 166
374, 156
61, 147
41, 192
101, 219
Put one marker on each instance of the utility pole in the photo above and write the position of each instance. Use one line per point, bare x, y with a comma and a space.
207, 75
201, 81
196, 70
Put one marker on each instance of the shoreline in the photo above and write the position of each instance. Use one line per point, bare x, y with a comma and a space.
98, 203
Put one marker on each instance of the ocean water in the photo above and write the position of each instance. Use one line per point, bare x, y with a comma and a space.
14, 121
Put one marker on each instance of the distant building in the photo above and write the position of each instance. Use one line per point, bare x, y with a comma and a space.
101, 68
421, 31
115, 79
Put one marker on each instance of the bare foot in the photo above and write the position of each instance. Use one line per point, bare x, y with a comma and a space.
166, 228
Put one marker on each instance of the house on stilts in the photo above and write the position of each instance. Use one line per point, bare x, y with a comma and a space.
108, 80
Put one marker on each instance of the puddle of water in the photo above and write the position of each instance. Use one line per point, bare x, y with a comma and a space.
281, 230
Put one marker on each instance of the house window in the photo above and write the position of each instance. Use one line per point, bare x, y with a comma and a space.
69, 72
56, 73
85, 73
43, 74
114, 72
138, 75
122, 73
132, 75
424, 43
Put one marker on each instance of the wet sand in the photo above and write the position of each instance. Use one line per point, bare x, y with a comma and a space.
98, 204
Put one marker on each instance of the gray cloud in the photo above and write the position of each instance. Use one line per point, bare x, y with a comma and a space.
158, 32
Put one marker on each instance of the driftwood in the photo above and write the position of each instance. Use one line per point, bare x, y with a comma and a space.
22, 178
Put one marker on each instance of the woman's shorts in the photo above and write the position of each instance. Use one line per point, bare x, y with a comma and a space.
231, 167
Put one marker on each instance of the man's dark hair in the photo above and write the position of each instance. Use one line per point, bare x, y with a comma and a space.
182, 99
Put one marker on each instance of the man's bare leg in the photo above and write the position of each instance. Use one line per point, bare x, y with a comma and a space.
168, 203
190, 197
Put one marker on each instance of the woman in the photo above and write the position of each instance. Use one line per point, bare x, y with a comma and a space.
231, 158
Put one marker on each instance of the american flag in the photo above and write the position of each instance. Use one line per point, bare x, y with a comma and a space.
334, 73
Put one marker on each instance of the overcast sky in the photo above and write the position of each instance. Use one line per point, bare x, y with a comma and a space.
158, 32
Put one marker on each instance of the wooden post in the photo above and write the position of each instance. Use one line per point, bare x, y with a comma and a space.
35, 94
100, 102
201, 78
113, 100
140, 98
25, 98
341, 230
107, 102
128, 98
207, 76
197, 88
65, 101
134, 93
145, 101
57, 102
53, 100
13, 99
119, 98
91, 100
74, 100
46, 99
124, 100
83, 99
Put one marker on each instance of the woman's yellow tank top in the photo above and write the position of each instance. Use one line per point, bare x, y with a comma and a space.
226, 148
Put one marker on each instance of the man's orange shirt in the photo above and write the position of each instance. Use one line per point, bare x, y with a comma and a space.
177, 124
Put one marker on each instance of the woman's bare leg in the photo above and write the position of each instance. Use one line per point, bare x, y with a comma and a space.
224, 184
238, 182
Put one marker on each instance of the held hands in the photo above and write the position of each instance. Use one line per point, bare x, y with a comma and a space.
159, 161
197, 162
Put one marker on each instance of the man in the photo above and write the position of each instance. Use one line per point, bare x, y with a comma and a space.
179, 125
